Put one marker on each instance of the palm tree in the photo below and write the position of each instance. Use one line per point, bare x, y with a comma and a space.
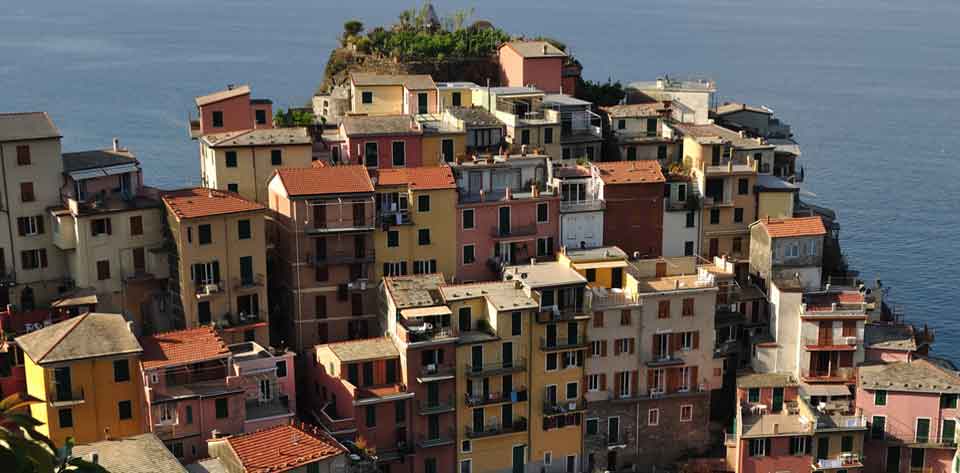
25, 450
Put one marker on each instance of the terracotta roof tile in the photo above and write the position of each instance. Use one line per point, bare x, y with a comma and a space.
283, 448
296, 135
410, 81
182, 347
794, 227
201, 202
223, 95
419, 178
631, 172
325, 180
535, 49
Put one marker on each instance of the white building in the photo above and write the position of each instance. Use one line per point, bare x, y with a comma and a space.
581, 206
681, 218
690, 98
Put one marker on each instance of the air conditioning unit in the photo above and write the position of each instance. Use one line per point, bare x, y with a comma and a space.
850, 340
211, 288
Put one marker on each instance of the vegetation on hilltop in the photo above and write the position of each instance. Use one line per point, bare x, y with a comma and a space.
601, 94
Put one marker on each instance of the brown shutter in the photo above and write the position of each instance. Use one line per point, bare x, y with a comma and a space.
109, 228
672, 342
598, 319
654, 344
650, 379
694, 380
43, 257
672, 380
40, 224
616, 384
633, 345
603, 381
603, 348
583, 385
696, 340
616, 347
21, 226
635, 383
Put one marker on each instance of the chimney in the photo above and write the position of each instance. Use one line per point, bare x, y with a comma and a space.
116, 145
676, 284
544, 48
523, 150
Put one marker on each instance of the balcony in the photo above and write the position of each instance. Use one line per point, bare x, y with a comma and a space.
718, 201
230, 322
904, 434
206, 289
513, 231
604, 298
417, 331
436, 439
843, 460
562, 343
553, 408
831, 375
434, 372
436, 406
497, 428
582, 205
517, 395
692, 202
830, 343
397, 217
344, 225
341, 257
63, 398
262, 409
252, 281
494, 368
563, 314
667, 359
730, 165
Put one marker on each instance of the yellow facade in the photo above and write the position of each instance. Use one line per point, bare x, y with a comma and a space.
227, 298
446, 96
386, 100
834, 443
432, 150
254, 166
437, 217
775, 205
95, 408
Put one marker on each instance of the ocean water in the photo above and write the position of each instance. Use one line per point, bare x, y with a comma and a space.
871, 88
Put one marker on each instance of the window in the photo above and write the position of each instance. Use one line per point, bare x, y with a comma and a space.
548, 135
261, 116
846, 443
136, 225
593, 382
125, 409
551, 361
466, 466
468, 254
276, 157
466, 446
366, 97
542, 212
524, 137
103, 270
688, 248
653, 417
231, 159
423, 236
714, 216
598, 319
467, 217
877, 427
371, 154
516, 324
571, 464
425, 266
121, 371
593, 426
759, 447
880, 398
753, 395
32, 225
738, 215
455, 99
686, 413
686, 341
233, 187
548, 458
736, 246
100, 226
26, 192
621, 124
23, 155
545, 246
663, 310
625, 317
799, 446
393, 239
66, 418
423, 203
399, 410
189, 413
430, 465
948, 401
743, 186
33, 259
688, 307
371, 416
690, 216
205, 234
399, 149
218, 119
222, 407
632, 153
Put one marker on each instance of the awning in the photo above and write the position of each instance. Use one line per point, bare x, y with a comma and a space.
600, 265
830, 390
425, 312
76, 298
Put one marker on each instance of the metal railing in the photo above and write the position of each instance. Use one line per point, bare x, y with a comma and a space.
434, 370
561, 343
513, 231
206, 288
517, 395
341, 257
556, 407
253, 280
486, 369
435, 406
497, 428
582, 205
72, 396
443, 437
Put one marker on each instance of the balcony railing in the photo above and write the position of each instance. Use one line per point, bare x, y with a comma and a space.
517, 395
552, 408
244, 319
497, 428
434, 371
843, 460
562, 314
833, 374
562, 343
250, 282
488, 369
667, 358
513, 231
203, 289
607, 298
396, 217
436, 406
833, 343
341, 257
582, 205
907, 435
437, 439
344, 225
66, 397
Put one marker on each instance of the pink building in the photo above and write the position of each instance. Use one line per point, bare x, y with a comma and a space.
532, 63
387, 141
231, 110
358, 395
197, 387
912, 410
506, 214
895, 341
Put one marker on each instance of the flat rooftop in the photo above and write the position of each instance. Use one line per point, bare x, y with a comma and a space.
769, 425
364, 349
415, 291
673, 283
601, 253
504, 295
889, 337
765, 380
544, 275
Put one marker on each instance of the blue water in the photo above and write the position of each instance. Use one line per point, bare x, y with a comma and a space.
871, 88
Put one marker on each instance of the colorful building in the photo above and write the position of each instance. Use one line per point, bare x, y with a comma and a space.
120, 455
382, 141
220, 275
231, 110
681, 216
293, 448
533, 63
485, 133
415, 233
690, 99
581, 206
444, 139
506, 214
638, 132
455, 94
323, 236
394, 94
581, 131
86, 373
633, 196
790, 248
531, 125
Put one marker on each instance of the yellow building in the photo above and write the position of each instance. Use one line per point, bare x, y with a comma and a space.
455, 94
417, 233
243, 161
775, 197
444, 139
394, 94
86, 372
221, 253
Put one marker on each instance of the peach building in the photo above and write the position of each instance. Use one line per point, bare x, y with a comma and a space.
532, 63
383, 141
637, 130
376, 94
230, 109
322, 233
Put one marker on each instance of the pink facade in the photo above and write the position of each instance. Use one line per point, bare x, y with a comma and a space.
778, 458
238, 113
433, 402
413, 101
354, 150
521, 241
544, 73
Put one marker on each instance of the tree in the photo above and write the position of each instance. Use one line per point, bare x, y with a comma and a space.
25, 450
351, 29
601, 94
293, 117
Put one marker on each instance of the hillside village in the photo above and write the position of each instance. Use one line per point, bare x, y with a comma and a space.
497, 271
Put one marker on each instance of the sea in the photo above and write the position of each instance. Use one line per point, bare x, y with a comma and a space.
870, 87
